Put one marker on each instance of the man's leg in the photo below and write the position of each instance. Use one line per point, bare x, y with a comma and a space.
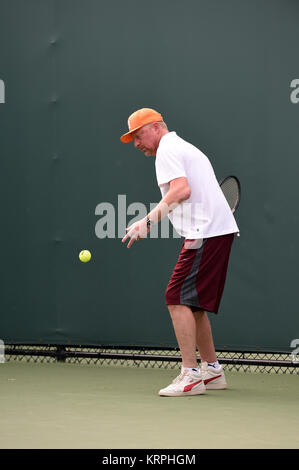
204, 337
213, 376
189, 382
184, 325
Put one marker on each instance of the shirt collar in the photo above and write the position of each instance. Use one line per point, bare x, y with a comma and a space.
167, 136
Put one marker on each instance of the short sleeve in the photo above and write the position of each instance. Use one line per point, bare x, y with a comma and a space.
169, 165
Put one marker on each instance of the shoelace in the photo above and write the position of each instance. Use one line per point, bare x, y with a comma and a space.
179, 377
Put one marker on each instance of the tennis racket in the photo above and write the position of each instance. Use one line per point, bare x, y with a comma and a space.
231, 189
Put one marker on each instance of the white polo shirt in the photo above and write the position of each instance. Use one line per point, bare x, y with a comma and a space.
206, 213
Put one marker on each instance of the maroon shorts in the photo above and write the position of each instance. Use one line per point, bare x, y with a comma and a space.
199, 276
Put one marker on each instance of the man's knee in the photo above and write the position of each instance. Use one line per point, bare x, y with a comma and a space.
173, 309
199, 313
178, 309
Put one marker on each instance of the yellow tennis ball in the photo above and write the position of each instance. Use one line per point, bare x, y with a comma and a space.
84, 256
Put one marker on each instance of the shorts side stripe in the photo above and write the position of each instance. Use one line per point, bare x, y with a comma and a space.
188, 292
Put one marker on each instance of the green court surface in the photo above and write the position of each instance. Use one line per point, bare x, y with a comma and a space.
69, 406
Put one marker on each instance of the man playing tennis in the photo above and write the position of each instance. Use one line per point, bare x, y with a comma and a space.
199, 212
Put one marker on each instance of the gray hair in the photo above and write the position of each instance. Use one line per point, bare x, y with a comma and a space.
161, 124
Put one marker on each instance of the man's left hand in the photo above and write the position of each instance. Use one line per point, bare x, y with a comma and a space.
137, 231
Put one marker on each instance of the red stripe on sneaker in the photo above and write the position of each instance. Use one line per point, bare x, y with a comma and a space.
212, 378
188, 388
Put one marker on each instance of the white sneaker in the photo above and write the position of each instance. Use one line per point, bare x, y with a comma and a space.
214, 379
187, 383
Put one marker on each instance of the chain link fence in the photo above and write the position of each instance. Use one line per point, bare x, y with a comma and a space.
134, 356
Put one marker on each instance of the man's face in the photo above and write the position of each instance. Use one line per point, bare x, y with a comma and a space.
145, 139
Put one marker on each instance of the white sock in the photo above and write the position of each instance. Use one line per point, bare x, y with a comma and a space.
215, 365
194, 369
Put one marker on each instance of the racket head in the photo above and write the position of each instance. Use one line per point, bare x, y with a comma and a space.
231, 189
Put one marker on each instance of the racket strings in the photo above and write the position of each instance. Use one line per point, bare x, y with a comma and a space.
231, 192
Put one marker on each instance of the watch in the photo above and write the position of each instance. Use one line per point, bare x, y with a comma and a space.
149, 222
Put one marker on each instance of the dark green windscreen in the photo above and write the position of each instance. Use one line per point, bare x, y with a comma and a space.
224, 75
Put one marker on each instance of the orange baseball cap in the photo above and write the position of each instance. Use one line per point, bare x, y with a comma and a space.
138, 119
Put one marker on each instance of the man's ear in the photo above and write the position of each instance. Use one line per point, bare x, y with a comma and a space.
157, 126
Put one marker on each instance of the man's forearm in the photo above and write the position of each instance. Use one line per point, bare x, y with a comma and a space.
169, 202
